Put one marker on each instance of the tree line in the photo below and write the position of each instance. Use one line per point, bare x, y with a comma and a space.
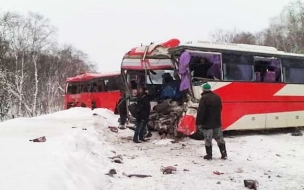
33, 67
285, 31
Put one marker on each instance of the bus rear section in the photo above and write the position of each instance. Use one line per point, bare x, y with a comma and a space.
93, 90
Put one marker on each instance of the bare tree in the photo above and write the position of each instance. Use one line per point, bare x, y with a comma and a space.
223, 35
39, 35
233, 36
32, 68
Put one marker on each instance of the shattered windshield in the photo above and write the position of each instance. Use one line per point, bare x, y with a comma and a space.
156, 77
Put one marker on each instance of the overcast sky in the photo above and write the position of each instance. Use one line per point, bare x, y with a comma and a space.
105, 30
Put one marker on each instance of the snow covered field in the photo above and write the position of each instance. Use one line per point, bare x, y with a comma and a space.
76, 157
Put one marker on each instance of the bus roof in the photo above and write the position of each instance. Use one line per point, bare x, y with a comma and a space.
158, 54
89, 76
234, 47
156, 50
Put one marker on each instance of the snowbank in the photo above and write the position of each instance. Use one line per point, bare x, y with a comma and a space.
72, 158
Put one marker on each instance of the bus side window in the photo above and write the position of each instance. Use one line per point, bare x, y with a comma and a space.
79, 88
113, 84
267, 69
293, 70
206, 66
70, 89
238, 67
101, 87
85, 88
94, 87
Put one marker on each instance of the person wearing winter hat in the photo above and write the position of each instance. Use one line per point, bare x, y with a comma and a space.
208, 120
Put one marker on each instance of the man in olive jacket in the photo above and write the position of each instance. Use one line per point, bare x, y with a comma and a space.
208, 120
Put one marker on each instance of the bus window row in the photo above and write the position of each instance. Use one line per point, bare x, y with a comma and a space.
104, 85
247, 68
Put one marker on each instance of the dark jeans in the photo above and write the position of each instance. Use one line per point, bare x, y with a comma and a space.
216, 134
123, 119
140, 130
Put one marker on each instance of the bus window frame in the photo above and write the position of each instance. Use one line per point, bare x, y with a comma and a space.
289, 65
197, 53
175, 52
77, 84
235, 53
103, 79
269, 58
114, 77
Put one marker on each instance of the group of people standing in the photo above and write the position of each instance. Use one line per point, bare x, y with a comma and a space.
142, 119
208, 119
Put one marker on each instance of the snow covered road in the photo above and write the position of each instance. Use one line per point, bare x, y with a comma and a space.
76, 157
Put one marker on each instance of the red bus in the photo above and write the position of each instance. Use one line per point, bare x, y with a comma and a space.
93, 90
261, 87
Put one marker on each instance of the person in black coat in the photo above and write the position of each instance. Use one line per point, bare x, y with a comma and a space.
144, 107
122, 110
208, 120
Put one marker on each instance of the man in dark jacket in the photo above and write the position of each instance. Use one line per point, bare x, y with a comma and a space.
122, 110
208, 120
144, 107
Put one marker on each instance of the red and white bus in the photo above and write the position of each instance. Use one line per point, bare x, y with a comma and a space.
93, 90
261, 87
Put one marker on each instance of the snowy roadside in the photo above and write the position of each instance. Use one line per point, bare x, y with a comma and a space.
76, 157
275, 161
72, 158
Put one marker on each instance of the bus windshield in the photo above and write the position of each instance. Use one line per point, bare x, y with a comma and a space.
156, 78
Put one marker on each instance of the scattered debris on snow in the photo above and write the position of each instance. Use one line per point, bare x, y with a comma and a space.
40, 139
136, 175
72, 159
168, 169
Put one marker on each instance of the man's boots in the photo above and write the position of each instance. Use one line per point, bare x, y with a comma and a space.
209, 153
223, 151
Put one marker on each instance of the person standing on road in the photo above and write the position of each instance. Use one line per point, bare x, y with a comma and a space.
122, 110
208, 120
144, 107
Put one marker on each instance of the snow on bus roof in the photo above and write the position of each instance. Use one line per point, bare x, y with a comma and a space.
89, 76
238, 47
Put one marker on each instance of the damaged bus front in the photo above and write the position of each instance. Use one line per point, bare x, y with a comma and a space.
152, 67
173, 74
